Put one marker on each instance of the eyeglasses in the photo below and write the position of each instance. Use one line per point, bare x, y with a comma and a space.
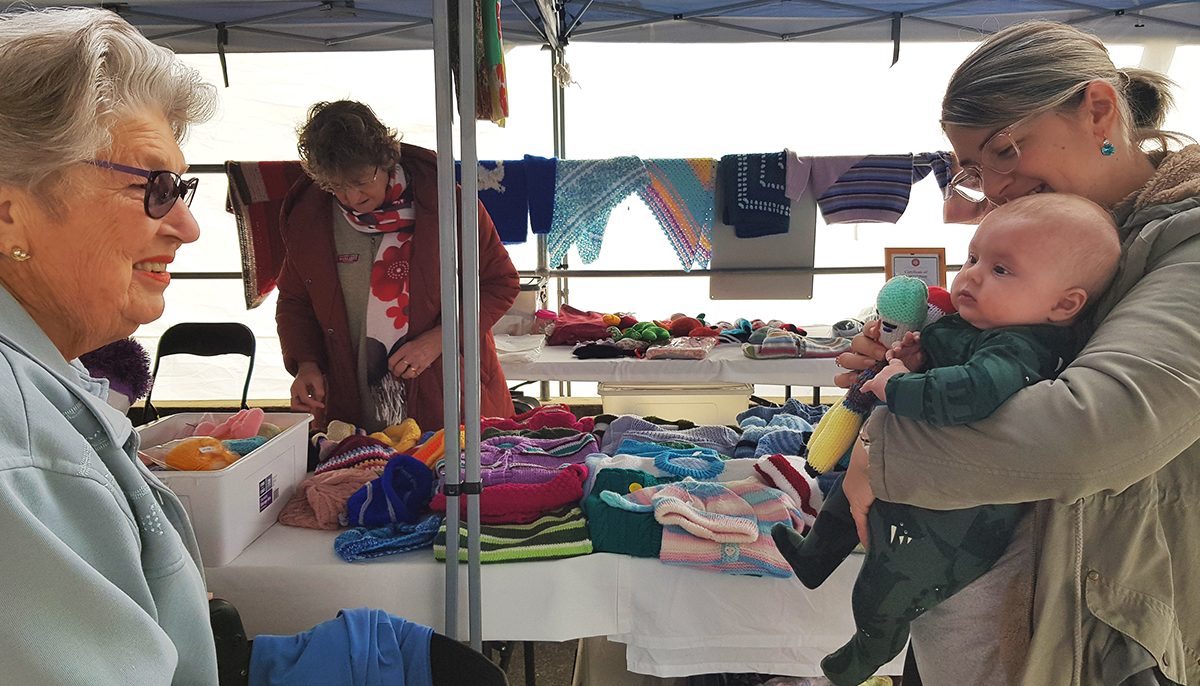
1000, 154
341, 188
163, 187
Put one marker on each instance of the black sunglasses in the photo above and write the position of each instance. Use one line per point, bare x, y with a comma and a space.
163, 187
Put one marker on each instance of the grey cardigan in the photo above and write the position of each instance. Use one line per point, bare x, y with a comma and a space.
1109, 449
100, 579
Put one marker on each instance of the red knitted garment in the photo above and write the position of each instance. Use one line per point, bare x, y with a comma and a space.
523, 503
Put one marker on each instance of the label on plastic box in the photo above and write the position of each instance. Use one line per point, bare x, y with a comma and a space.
266, 492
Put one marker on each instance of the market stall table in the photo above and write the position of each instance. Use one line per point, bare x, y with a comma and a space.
725, 364
674, 621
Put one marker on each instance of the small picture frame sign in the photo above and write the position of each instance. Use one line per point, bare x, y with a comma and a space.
926, 264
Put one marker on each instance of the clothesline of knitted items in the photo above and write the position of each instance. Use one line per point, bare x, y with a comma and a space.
555, 535
364, 544
680, 196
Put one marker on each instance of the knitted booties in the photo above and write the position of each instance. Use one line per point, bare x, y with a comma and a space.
832, 537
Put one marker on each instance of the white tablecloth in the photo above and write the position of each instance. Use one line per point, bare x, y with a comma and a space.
725, 364
674, 621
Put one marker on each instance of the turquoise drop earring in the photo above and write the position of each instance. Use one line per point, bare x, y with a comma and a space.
1107, 148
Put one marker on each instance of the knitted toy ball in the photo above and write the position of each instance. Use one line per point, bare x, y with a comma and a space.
902, 303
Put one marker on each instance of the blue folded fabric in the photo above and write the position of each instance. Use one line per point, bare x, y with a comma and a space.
361, 647
365, 544
401, 494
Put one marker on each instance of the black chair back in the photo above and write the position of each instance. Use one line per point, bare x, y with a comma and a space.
205, 339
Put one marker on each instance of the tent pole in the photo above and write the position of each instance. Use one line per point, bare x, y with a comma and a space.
469, 225
448, 258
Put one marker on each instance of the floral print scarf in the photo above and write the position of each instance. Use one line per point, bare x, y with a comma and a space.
387, 301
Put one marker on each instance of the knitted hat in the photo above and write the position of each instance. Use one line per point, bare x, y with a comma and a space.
400, 494
320, 500
371, 454
788, 476
364, 544
706, 509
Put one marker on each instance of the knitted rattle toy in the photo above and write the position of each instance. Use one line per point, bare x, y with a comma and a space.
903, 305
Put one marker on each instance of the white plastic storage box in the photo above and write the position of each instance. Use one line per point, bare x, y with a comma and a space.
231, 507
701, 403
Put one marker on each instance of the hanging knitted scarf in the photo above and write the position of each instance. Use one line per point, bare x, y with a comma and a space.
387, 302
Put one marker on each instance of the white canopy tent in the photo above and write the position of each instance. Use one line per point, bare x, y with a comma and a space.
194, 26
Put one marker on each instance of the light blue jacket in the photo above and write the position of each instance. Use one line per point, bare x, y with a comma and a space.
100, 578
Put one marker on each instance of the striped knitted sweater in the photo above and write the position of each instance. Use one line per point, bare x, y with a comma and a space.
563, 533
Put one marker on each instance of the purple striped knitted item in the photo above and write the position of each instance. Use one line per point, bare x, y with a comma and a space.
719, 438
712, 539
521, 460
875, 189
680, 196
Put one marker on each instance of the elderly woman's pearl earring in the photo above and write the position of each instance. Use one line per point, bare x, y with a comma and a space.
19, 254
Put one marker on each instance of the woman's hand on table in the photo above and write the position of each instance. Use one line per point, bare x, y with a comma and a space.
865, 352
415, 356
856, 486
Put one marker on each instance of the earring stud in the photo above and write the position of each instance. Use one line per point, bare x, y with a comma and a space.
19, 254
1107, 148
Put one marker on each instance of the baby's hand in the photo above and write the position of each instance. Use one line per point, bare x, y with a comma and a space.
878, 383
908, 350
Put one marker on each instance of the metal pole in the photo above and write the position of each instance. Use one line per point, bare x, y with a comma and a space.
448, 257
469, 214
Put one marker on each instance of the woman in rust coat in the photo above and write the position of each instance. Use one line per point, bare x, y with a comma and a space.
359, 311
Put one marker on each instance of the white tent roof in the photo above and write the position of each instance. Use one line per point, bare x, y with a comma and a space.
311, 25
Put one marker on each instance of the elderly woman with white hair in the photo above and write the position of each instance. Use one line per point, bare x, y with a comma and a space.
100, 579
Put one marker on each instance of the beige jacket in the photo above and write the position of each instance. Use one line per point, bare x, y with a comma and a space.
1109, 449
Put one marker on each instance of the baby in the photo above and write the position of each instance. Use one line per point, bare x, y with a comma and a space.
1032, 267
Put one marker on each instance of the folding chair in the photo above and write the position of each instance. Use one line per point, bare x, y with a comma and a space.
204, 339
